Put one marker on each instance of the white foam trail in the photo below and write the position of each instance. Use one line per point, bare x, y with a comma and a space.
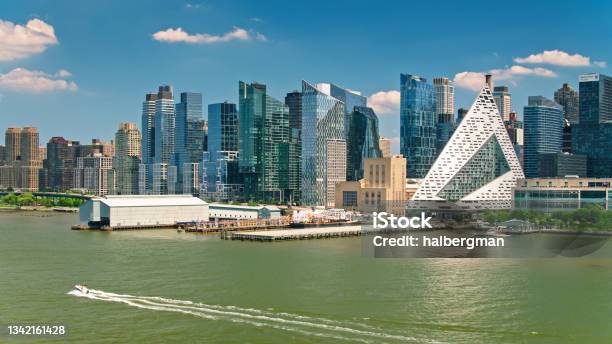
282, 321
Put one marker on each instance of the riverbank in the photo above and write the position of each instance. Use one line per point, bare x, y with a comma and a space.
7, 207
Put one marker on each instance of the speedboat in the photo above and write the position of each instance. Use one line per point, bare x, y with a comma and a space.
82, 288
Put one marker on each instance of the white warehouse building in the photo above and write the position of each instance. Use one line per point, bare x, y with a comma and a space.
143, 211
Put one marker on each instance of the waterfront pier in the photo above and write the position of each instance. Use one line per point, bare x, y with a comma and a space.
297, 234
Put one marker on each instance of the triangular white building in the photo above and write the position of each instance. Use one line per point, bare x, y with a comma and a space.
478, 167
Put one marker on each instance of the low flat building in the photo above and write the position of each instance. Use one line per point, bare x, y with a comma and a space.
142, 211
383, 187
237, 212
553, 194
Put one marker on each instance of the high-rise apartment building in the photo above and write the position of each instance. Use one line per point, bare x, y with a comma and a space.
385, 146
189, 141
592, 135
363, 141
543, 131
263, 135
61, 161
568, 99
322, 130
445, 111
417, 124
503, 100
148, 128
127, 158
165, 126
220, 177
2, 155
12, 143
445, 96
158, 173
478, 167
94, 174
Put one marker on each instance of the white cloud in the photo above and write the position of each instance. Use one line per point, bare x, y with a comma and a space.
256, 20
260, 37
171, 35
385, 102
24, 80
18, 41
512, 72
193, 6
600, 64
558, 58
475, 80
62, 73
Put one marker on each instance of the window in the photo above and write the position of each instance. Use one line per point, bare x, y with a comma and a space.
349, 198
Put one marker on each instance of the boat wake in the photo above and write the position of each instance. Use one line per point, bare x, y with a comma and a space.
305, 325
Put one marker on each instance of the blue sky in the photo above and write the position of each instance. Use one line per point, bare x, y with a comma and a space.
81, 67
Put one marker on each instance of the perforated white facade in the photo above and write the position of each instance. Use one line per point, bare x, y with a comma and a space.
478, 167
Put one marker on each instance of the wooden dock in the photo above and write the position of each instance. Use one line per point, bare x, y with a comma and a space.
298, 234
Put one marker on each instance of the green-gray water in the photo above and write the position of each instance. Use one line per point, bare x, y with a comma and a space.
300, 291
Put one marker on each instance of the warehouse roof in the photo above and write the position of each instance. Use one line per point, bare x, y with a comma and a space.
150, 200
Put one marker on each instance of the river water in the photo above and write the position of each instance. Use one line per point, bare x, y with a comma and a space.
159, 286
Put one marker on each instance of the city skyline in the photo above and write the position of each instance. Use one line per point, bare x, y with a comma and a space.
134, 54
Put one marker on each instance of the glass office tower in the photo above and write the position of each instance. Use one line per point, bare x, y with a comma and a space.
363, 141
263, 134
417, 124
322, 130
592, 135
350, 99
221, 180
189, 141
543, 119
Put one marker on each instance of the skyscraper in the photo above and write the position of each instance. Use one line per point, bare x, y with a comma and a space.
12, 142
158, 173
363, 141
221, 180
503, 100
322, 130
293, 100
543, 131
61, 161
592, 135
189, 142
568, 99
165, 125
445, 111
417, 124
263, 134
127, 158
477, 168
94, 173
445, 96
350, 99
148, 128
385, 147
